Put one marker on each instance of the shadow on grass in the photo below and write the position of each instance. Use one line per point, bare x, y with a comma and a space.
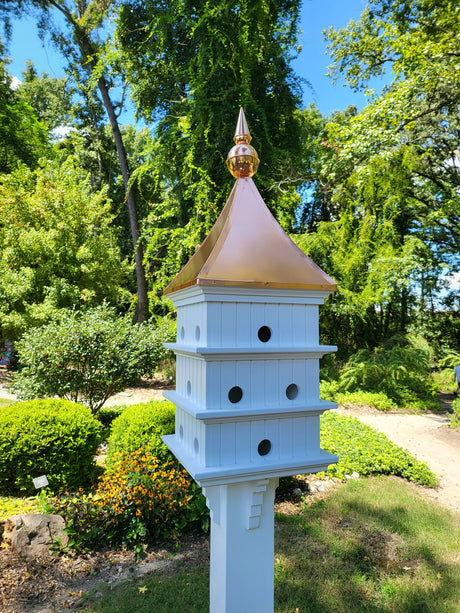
371, 546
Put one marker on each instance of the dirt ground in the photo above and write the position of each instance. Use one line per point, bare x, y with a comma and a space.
57, 584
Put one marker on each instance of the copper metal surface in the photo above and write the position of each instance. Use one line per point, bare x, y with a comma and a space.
242, 159
247, 247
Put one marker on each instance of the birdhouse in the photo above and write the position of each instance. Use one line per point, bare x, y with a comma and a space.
247, 395
247, 372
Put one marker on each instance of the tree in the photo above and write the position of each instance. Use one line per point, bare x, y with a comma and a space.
82, 46
191, 65
382, 213
51, 98
59, 247
365, 228
420, 108
24, 138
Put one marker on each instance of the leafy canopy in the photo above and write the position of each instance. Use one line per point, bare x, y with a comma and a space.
191, 65
59, 248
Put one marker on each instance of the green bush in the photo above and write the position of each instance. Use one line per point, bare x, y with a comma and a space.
444, 380
377, 400
89, 356
138, 500
401, 370
455, 417
142, 426
56, 438
362, 449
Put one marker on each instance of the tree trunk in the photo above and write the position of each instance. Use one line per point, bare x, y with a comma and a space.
142, 296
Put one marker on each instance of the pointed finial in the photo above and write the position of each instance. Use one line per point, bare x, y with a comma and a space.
242, 159
242, 130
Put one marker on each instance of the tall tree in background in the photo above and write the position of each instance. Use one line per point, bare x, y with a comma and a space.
82, 43
22, 136
191, 65
385, 202
59, 246
419, 41
51, 98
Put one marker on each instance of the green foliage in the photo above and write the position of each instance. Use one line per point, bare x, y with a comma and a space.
49, 97
24, 139
400, 369
455, 417
443, 380
362, 449
417, 41
142, 425
82, 33
56, 438
138, 500
377, 400
192, 74
450, 360
59, 248
88, 356
12, 505
384, 196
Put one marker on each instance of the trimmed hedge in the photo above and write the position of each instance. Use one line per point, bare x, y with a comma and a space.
56, 438
367, 451
142, 425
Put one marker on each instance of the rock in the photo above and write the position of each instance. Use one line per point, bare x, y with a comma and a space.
32, 535
354, 475
319, 485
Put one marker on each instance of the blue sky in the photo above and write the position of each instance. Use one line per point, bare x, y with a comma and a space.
311, 65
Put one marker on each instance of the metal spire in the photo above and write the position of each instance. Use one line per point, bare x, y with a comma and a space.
242, 159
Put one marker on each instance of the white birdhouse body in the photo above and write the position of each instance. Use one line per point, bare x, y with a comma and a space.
247, 398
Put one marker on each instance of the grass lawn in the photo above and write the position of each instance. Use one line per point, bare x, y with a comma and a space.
372, 545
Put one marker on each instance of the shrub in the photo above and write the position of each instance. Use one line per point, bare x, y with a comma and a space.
106, 415
401, 370
450, 360
444, 380
328, 389
89, 356
56, 438
455, 417
377, 400
139, 500
142, 425
362, 449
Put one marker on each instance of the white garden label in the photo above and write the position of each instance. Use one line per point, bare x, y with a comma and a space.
40, 482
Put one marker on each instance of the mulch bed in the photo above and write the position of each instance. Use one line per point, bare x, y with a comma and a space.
57, 583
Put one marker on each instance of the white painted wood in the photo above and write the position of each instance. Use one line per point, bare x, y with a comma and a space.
242, 546
237, 447
197, 294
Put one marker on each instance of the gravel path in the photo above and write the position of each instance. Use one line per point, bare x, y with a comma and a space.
429, 438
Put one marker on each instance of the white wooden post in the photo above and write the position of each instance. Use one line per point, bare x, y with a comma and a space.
242, 546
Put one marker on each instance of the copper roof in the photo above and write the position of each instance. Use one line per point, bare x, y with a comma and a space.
247, 247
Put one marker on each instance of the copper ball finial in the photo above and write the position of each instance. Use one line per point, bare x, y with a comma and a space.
242, 159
